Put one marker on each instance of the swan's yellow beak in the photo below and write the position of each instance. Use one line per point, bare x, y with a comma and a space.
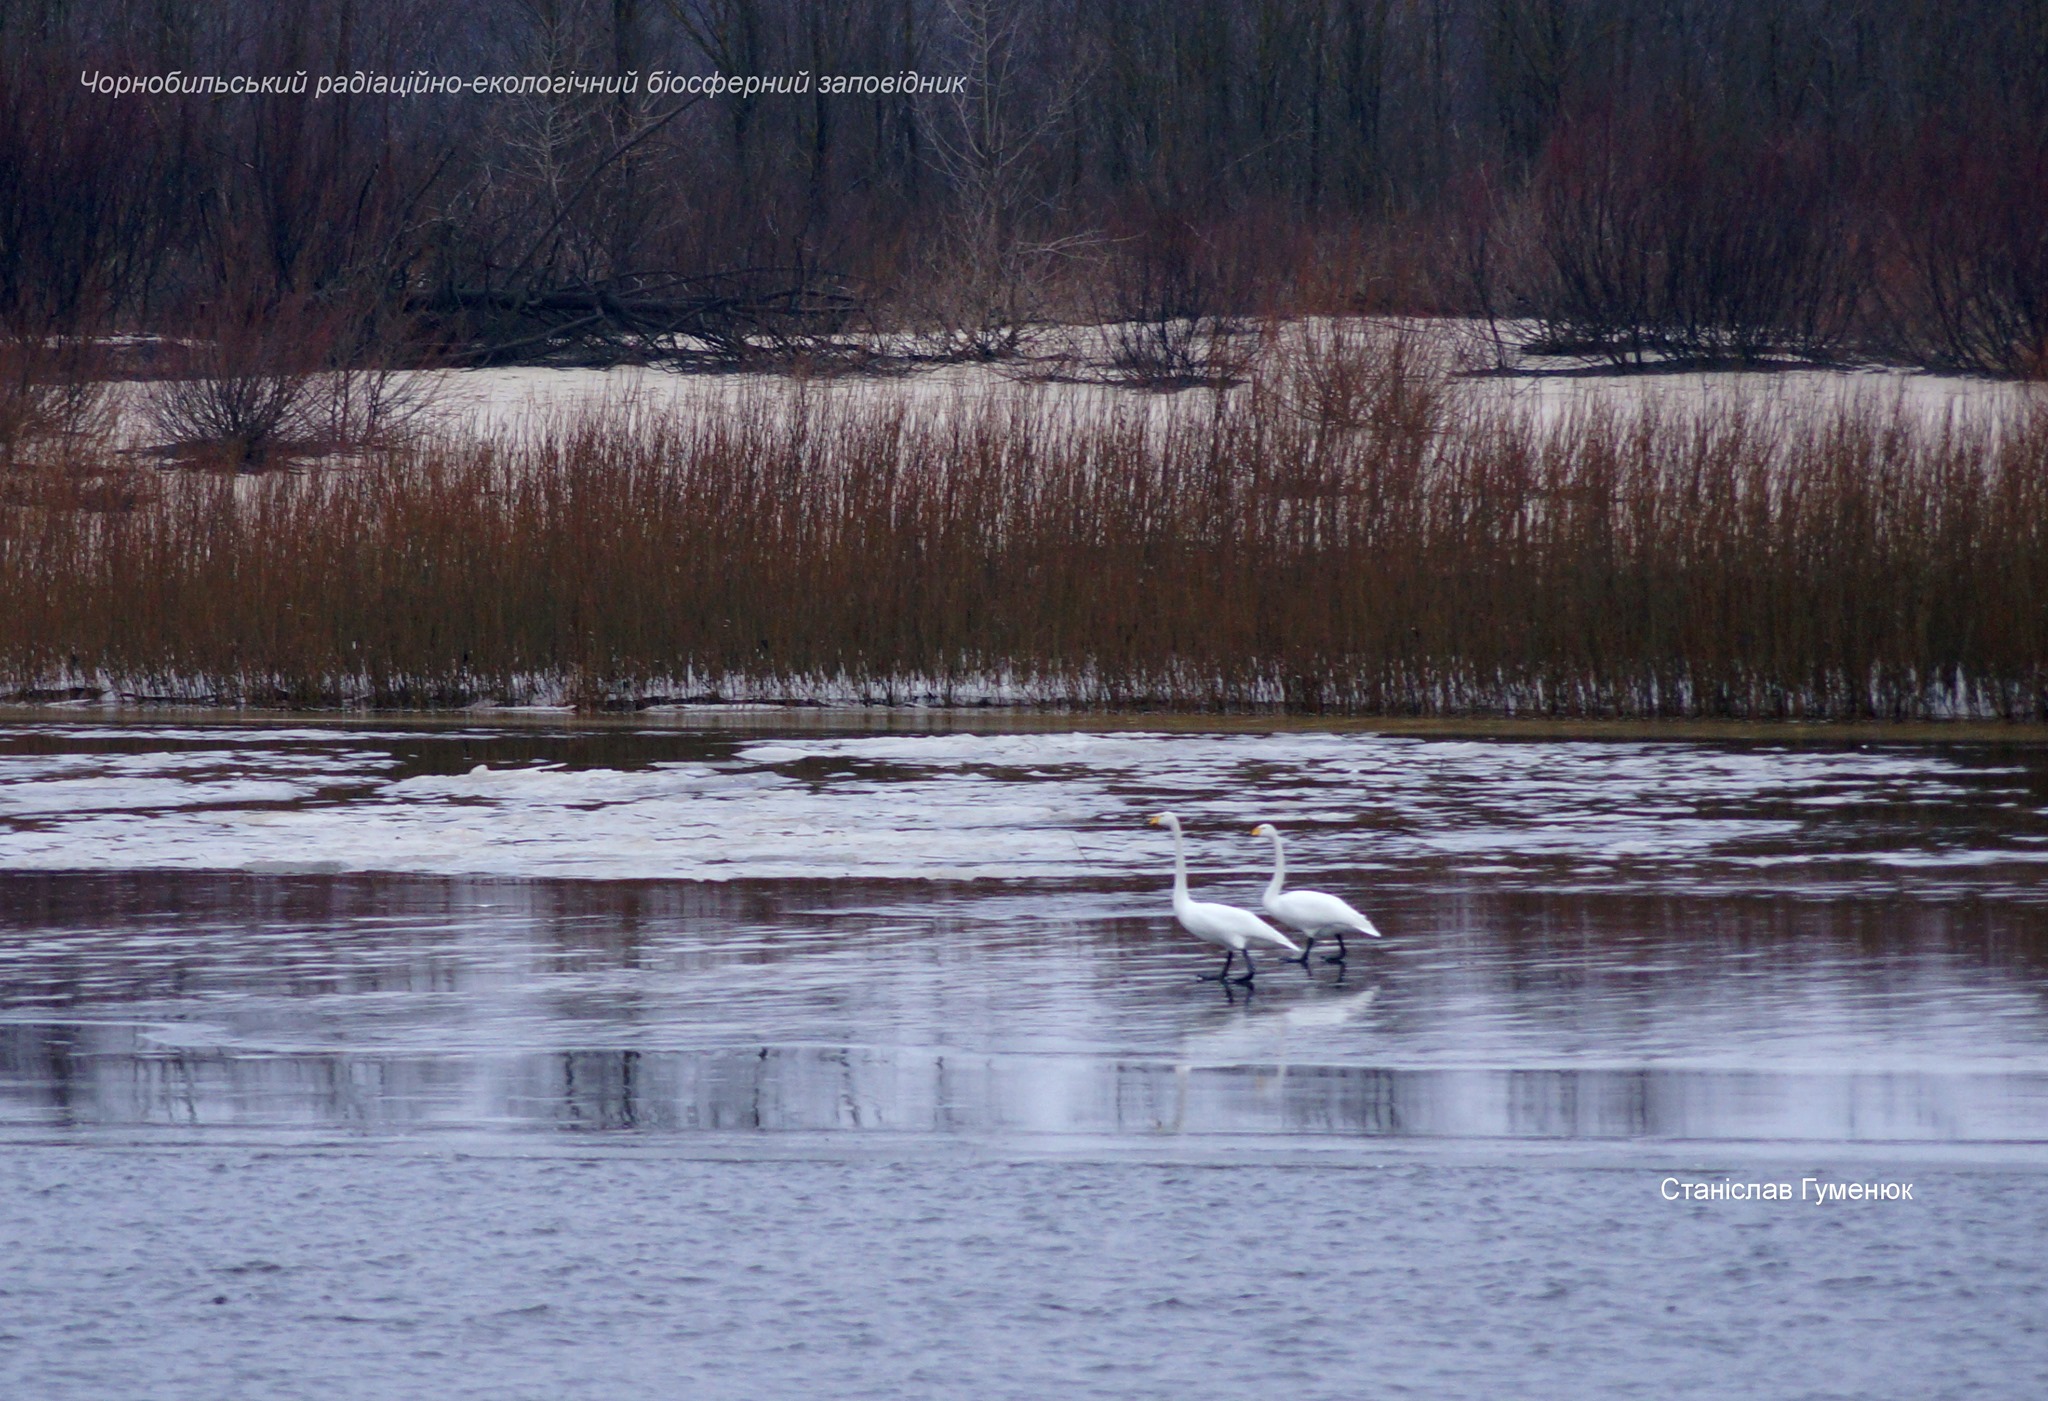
1154, 822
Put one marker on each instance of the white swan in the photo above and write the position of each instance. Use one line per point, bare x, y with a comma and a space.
1233, 930
1309, 912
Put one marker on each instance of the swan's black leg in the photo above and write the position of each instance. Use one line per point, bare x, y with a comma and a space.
1341, 954
1249, 971
1228, 955
1308, 944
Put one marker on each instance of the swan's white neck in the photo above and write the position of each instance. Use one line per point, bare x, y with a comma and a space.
1279, 869
1180, 870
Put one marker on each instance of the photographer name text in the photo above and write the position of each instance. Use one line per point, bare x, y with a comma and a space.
1811, 1190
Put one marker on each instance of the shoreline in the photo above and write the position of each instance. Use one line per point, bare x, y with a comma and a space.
945, 719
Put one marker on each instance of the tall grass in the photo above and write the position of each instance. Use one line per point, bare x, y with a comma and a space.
1409, 554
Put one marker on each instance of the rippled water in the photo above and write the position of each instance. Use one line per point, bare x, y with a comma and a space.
536, 1059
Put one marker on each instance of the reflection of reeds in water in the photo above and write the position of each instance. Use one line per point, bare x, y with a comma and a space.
1341, 535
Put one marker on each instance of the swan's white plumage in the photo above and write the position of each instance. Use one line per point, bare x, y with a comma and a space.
1311, 912
1225, 926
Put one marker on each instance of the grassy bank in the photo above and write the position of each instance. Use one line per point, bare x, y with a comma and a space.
1346, 537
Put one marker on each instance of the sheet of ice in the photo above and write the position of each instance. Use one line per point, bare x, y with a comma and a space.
55, 785
1020, 805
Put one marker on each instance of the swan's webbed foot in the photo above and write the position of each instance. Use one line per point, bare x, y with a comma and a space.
1228, 959
1307, 947
1341, 954
1245, 979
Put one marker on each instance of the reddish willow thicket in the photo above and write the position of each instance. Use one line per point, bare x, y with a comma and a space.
1400, 557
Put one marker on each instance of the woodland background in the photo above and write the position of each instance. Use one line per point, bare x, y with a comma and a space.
1702, 179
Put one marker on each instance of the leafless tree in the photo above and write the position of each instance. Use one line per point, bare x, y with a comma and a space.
989, 142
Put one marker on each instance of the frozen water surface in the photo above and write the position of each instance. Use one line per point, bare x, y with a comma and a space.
737, 1057
724, 805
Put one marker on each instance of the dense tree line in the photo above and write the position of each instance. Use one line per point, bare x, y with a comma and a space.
1626, 178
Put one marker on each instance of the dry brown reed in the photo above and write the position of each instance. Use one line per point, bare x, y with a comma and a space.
1403, 552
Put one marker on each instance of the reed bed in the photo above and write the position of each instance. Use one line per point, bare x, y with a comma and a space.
1325, 540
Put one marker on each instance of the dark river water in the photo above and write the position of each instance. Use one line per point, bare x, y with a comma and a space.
736, 1055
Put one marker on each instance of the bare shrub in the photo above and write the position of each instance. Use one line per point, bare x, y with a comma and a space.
25, 410
976, 304
1164, 309
241, 395
1659, 240
51, 402
373, 393
1968, 219
1388, 378
267, 382
357, 406
1483, 264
